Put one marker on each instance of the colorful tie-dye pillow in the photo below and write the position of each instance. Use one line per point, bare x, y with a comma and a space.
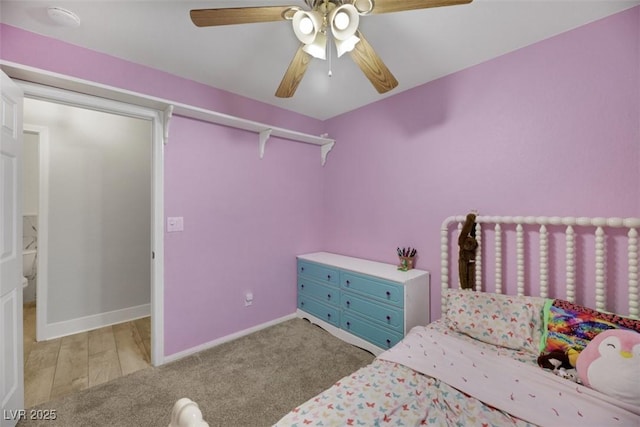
570, 325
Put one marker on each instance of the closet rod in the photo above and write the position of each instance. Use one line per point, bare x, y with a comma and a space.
264, 131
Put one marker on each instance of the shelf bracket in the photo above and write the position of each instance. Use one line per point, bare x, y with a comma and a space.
324, 150
264, 136
168, 113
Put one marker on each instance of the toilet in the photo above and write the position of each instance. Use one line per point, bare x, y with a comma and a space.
28, 271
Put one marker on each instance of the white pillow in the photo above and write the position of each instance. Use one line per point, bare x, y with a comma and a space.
514, 322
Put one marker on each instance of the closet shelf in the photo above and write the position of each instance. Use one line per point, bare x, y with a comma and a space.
264, 131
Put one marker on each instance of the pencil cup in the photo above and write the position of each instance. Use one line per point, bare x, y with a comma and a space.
406, 263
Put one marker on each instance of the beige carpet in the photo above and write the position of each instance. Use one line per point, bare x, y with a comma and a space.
251, 381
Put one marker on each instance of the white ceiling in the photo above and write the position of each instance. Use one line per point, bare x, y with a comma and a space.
250, 59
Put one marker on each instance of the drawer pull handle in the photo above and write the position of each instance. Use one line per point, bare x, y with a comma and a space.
301, 268
328, 296
348, 283
328, 315
348, 303
301, 303
388, 294
328, 277
302, 286
348, 324
388, 342
388, 318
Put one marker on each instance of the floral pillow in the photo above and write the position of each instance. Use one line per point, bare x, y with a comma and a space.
514, 322
570, 325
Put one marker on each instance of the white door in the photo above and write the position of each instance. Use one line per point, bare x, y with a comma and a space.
11, 366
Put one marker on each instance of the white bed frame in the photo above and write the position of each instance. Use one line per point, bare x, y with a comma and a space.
571, 227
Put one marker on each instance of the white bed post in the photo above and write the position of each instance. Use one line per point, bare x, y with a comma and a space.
544, 261
633, 272
498, 263
186, 413
601, 297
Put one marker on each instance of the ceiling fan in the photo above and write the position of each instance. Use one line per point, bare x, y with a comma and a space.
325, 19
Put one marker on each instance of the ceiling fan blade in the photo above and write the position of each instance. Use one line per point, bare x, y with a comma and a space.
388, 6
236, 15
372, 66
294, 74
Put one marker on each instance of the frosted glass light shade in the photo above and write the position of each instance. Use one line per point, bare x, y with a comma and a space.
317, 49
344, 46
344, 21
307, 25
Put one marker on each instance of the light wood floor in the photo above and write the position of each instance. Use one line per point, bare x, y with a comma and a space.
64, 365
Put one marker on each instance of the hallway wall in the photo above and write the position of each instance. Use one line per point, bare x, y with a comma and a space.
99, 211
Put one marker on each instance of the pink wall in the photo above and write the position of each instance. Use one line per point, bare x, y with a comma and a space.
245, 219
551, 129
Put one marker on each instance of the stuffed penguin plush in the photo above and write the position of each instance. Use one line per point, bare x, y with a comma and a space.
610, 363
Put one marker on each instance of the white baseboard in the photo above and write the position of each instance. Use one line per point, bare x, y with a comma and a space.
175, 356
95, 321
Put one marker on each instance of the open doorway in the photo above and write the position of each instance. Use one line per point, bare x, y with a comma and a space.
90, 220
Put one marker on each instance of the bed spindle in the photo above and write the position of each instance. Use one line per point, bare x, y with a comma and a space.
544, 261
498, 263
444, 263
571, 264
633, 272
478, 260
520, 258
601, 298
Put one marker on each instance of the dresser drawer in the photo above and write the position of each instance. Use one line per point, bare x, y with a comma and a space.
327, 294
322, 311
380, 337
387, 315
320, 273
389, 292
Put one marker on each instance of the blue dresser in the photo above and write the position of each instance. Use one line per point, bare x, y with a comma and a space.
367, 303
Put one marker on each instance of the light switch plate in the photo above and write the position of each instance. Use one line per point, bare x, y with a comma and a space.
175, 223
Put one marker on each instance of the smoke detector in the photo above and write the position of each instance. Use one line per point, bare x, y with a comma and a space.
63, 17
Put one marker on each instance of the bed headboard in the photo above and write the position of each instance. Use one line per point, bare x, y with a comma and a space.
537, 261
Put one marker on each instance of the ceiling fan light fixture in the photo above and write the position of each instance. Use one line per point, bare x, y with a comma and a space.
307, 25
344, 21
344, 46
317, 49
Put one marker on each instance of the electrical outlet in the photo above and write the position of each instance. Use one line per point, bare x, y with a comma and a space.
248, 299
175, 223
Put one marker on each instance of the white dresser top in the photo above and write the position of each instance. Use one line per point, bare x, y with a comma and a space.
358, 265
